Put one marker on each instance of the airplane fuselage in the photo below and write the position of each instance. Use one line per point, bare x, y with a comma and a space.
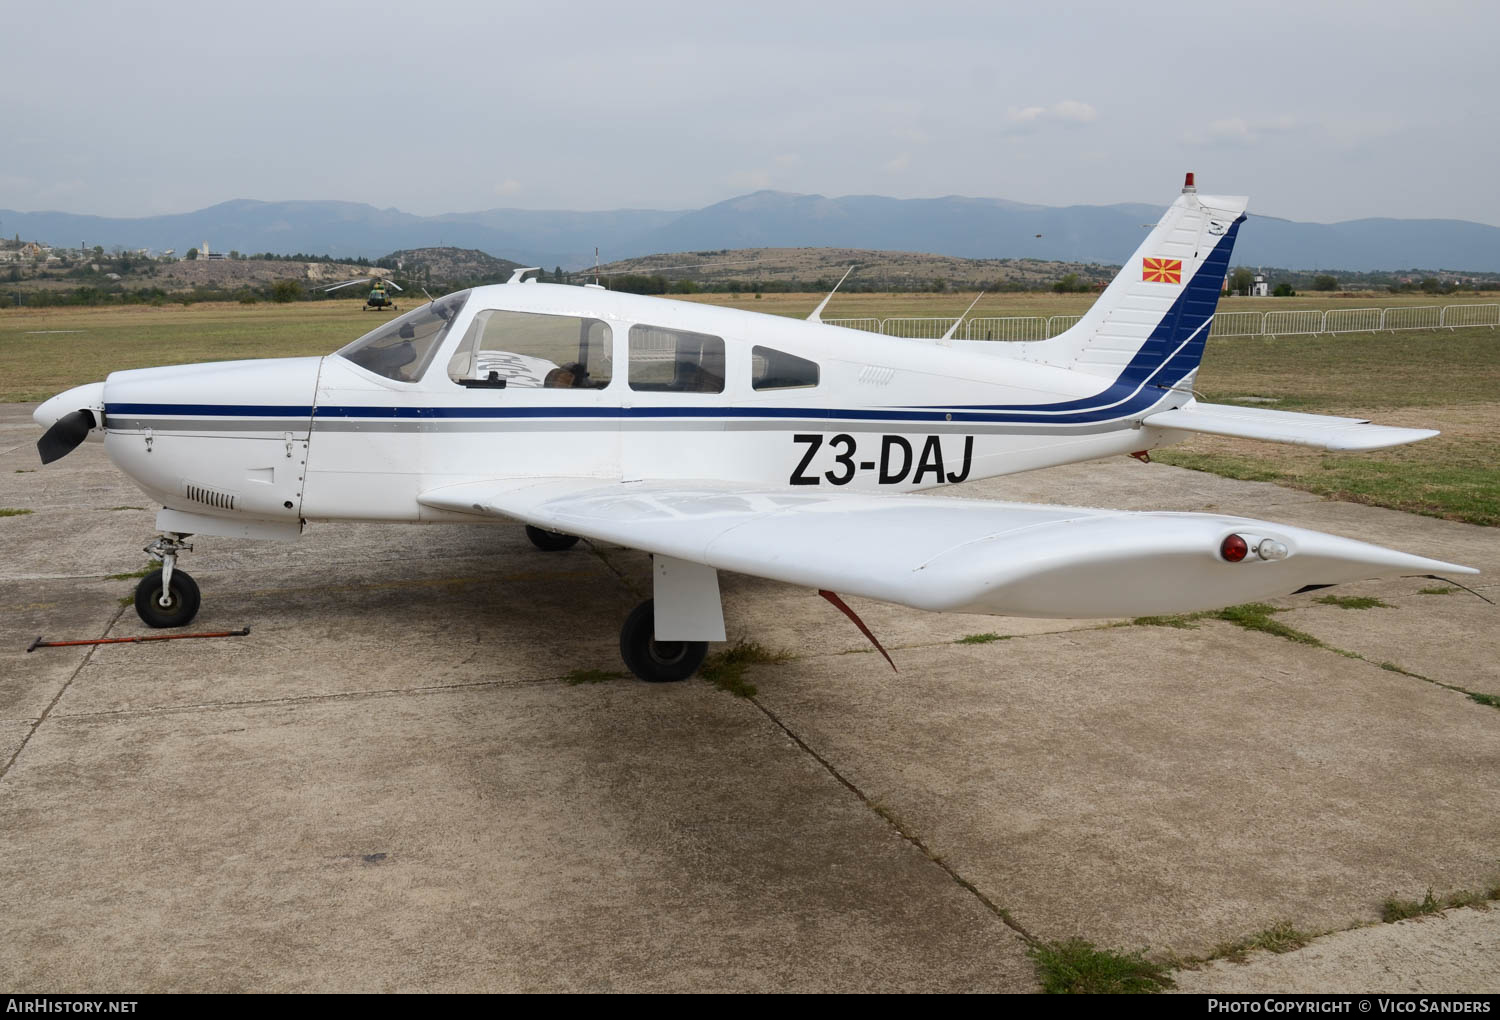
287, 440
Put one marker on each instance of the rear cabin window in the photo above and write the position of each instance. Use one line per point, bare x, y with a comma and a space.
675, 361
771, 369
527, 350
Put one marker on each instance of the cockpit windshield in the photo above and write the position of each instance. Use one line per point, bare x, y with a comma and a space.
401, 349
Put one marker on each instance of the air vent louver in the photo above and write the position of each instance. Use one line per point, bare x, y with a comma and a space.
210, 497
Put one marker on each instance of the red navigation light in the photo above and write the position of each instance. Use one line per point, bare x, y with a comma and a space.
1234, 548
1188, 181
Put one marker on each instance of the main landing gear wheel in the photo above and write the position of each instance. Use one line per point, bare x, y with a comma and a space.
182, 600
550, 541
652, 660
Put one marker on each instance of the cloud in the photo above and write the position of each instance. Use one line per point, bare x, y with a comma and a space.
756, 180
1065, 112
897, 165
1074, 111
1237, 132
509, 186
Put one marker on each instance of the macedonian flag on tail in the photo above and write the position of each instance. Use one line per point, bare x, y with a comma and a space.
1161, 270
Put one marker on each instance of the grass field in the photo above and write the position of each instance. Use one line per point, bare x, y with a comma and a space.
46, 350
1424, 379
882, 305
1433, 379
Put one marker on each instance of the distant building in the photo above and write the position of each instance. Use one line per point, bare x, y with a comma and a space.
1260, 287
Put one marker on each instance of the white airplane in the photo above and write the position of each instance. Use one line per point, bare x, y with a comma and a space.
718, 439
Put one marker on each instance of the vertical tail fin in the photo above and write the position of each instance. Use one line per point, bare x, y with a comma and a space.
1157, 312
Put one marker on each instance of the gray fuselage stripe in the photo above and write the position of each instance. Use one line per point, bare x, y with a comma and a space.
119, 423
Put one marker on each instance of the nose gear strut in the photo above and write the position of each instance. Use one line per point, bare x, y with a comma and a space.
167, 597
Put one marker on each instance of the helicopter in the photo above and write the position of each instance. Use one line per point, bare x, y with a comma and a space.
379, 299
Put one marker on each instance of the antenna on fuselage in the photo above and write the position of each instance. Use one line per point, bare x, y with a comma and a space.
817, 313
596, 267
954, 328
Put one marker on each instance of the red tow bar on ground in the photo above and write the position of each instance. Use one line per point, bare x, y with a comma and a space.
39, 643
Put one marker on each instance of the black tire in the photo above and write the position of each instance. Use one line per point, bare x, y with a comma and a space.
550, 541
657, 662
185, 600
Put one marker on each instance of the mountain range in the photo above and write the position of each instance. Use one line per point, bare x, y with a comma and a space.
966, 227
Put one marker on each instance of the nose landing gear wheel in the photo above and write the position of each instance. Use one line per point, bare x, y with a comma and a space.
182, 601
652, 660
550, 541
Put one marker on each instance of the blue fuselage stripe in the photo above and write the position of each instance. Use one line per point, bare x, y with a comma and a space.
189, 411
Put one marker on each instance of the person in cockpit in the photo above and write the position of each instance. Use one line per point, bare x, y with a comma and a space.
565, 377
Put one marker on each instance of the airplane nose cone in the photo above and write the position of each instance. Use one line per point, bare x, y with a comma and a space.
89, 396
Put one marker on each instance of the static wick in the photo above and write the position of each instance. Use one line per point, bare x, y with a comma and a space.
844, 608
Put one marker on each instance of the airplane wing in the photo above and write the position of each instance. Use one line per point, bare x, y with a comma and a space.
1321, 430
942, 554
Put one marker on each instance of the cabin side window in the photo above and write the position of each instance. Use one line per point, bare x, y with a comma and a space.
675, 361
771, 369
527, 350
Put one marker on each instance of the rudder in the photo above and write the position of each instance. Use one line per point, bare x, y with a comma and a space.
1154, 317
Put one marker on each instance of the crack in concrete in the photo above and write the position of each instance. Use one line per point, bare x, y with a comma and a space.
901, 830
1318, 644
629, 585
58, 696
384, 692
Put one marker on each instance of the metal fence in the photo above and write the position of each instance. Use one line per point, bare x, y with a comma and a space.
1010, 327
1352, 320
869, 325
1412, 317
917, 329
1292, 322
1471, 315
1237, 324
1281, 322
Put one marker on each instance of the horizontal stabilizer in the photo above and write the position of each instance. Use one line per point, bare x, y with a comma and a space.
946, 555
1321, 430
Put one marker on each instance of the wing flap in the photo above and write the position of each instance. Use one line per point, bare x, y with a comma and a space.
939, 554
1321, 430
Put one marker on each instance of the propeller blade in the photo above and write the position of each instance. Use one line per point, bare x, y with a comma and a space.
391, 283
65, 434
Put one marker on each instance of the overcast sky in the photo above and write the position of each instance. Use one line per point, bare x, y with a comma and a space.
1318, 111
